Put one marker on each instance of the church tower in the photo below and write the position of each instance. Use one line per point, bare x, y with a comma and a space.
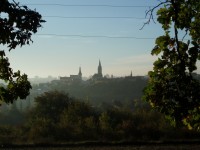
100, 69
80, 73
98, 75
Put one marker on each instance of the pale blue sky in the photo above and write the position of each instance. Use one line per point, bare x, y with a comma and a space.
62, 55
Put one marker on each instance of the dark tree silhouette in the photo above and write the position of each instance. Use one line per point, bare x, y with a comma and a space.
172, 89
17, 24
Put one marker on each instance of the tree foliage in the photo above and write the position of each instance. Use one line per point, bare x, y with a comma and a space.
172, 89
17, 24
59, 119
51, 104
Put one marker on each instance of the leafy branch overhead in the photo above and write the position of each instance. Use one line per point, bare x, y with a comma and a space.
172, 88
20, 23
17, 24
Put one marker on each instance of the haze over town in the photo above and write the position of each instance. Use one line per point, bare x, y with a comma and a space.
78, 34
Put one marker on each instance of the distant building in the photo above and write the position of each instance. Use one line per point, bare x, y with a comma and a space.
130, 76
99, 74
72, 78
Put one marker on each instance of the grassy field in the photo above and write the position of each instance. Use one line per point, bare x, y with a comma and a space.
150, 147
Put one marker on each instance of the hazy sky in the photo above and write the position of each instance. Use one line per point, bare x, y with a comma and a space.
86, 32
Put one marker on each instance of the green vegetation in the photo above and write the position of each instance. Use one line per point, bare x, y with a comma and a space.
106, 110
172, 89
57, 118
16, 29
98, 91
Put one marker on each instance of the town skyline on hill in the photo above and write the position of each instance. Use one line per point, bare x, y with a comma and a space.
78, 34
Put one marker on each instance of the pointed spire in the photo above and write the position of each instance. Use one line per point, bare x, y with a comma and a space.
131, 74
80, 73
99, 62
100, 69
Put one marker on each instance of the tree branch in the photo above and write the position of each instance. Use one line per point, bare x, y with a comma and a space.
176, 12
186, 33
150, 13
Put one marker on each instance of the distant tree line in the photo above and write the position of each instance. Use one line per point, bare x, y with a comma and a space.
105, 90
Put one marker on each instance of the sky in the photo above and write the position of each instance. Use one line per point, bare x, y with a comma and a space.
79, 33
